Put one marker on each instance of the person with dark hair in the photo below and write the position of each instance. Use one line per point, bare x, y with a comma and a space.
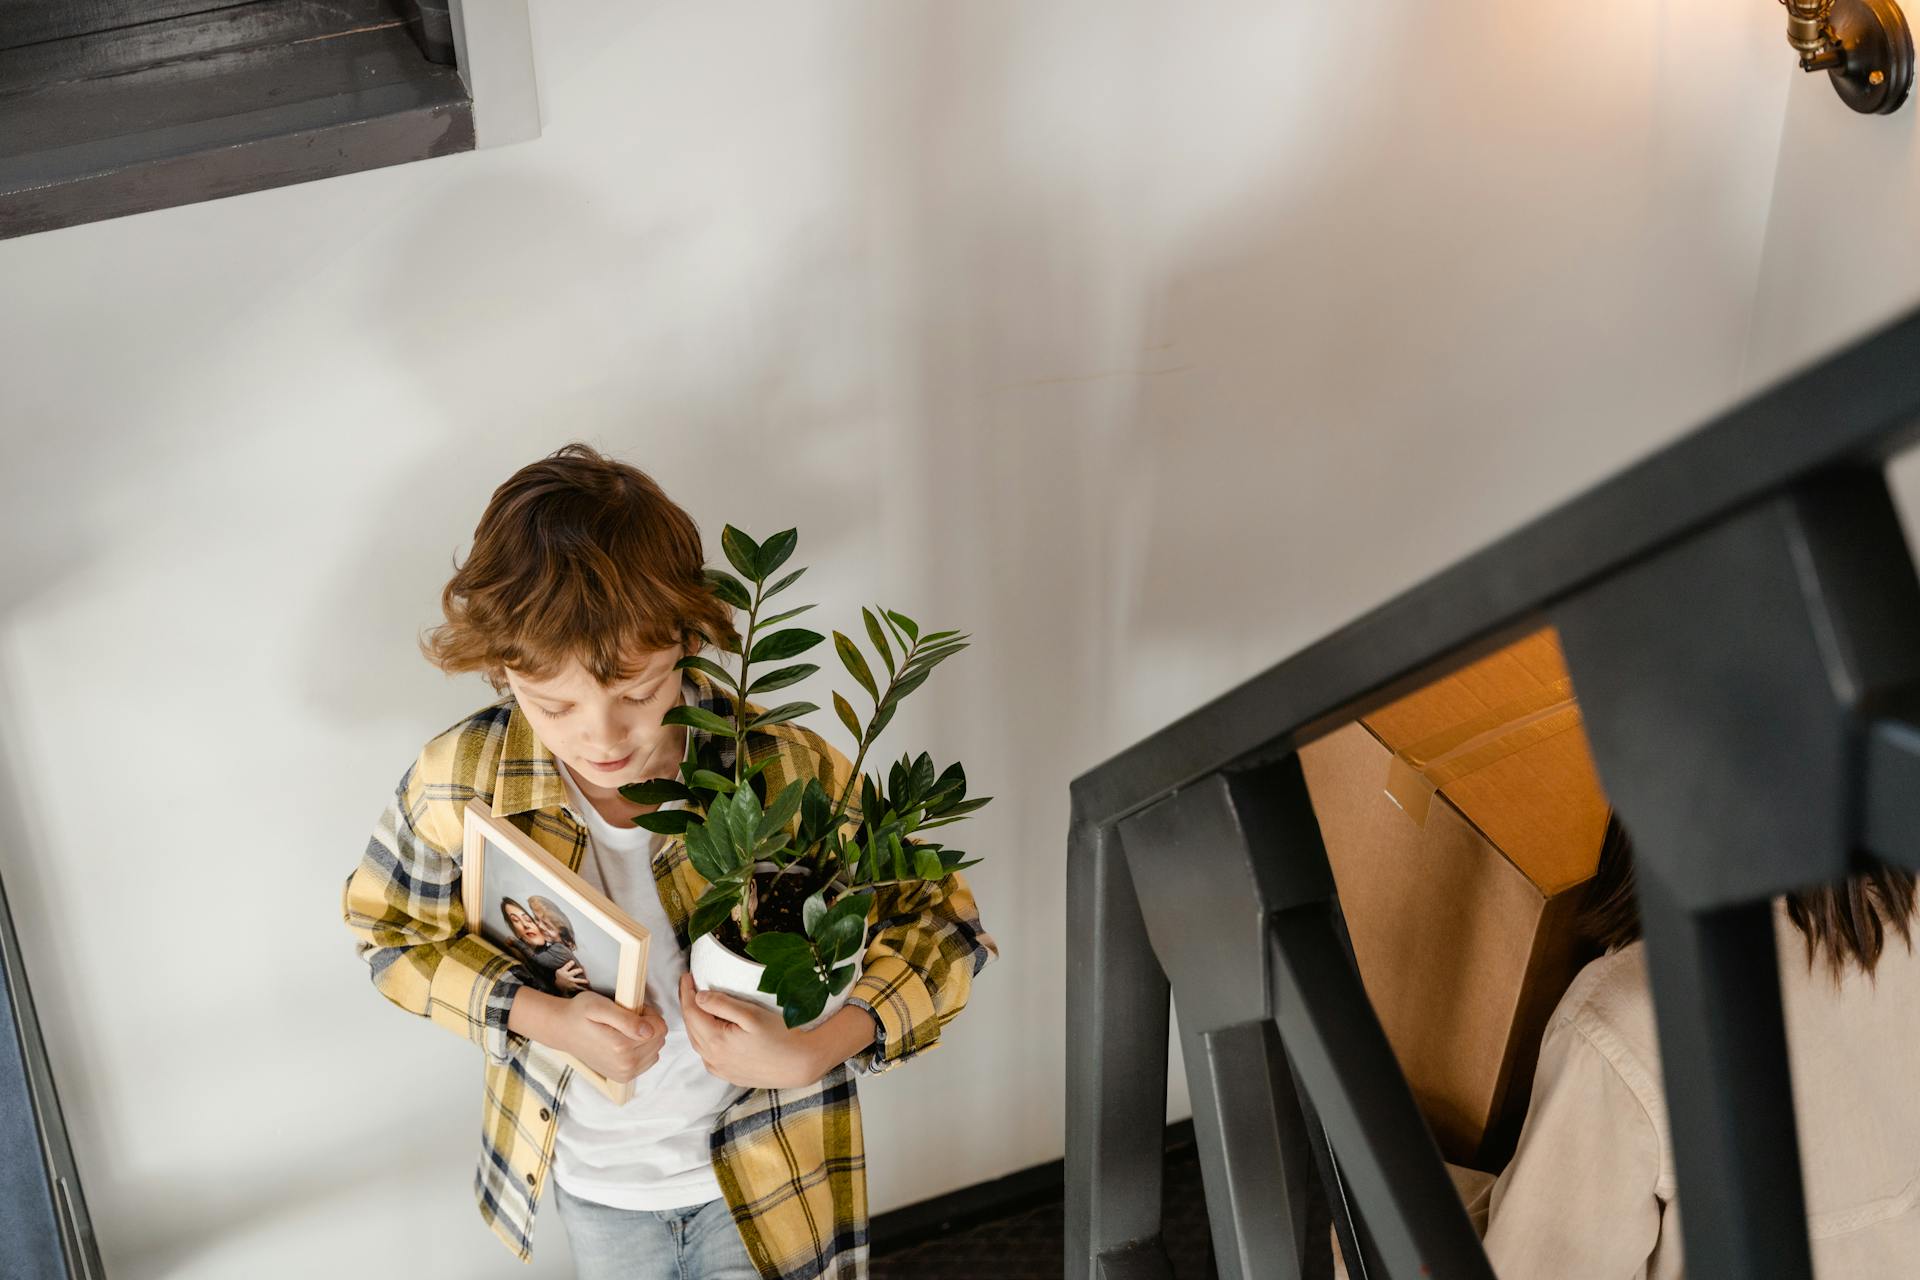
1590, 1190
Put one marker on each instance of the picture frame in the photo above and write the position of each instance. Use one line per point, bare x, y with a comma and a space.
567, 934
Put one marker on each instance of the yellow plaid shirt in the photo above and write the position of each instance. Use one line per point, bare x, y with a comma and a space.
790, 1161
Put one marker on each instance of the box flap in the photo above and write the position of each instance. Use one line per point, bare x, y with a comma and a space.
1505, 747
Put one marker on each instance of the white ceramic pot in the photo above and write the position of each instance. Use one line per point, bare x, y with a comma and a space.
716, 968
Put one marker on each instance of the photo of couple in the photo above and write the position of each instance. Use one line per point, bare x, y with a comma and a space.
544, 938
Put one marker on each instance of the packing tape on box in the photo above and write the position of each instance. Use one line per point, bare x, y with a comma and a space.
1426, 767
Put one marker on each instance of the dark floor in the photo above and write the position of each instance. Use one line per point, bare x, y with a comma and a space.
1029, 1244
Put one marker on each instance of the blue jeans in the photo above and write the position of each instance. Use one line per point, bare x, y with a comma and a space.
698, 1242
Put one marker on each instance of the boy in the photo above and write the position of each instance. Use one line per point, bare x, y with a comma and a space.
740, 1157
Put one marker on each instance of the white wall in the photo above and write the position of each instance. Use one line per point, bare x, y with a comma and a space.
1842, 254
1149, 342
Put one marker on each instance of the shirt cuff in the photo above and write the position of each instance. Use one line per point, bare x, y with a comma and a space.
499, 1043
901, 1004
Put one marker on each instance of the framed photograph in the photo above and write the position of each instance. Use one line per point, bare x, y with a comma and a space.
568, 935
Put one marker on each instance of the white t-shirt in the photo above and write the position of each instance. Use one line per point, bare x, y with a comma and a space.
653, 1152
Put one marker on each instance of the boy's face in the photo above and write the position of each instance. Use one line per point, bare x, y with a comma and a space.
607, 735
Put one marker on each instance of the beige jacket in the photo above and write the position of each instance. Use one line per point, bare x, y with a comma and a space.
1590, 1191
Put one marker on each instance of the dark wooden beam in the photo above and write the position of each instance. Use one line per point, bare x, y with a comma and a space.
214, 104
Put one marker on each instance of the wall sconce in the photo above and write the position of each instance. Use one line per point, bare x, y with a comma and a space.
1864, 46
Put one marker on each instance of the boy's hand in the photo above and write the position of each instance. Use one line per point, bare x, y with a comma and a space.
615, 1041
752, 1046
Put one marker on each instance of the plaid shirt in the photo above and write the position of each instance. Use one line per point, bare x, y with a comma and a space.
789, 1161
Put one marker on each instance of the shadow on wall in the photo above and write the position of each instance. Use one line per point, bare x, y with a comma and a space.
535, 352
1283, 342
1509, 277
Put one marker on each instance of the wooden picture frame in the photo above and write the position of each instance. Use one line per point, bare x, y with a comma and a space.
587, 920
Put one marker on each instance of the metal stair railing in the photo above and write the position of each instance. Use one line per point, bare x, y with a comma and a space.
48, 1231
1741, 618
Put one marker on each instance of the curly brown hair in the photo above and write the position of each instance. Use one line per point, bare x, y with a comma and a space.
577, 556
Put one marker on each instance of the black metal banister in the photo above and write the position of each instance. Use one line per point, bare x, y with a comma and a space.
1861, 405
1741, 617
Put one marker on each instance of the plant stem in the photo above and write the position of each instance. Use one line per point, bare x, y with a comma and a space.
748, 899
740, 693
866, 740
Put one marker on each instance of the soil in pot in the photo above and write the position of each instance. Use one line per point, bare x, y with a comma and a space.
781, 899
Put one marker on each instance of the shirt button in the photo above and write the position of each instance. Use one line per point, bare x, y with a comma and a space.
529, 1179
545, 1114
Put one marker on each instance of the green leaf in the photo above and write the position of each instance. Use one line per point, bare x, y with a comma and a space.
928, 659
773, 849
781, 678
816, 806
920, 782
743, 553
773, 976
879, 637
778, 618
720, 828
743, 821
801, 1003
782, 585
843, 930
847, 717
780, 645
905, 685
709, 666
812, 910
774, 552
729, 588
906, 624
708, 851
781, 714
667, 822
855, 664
715, 905
698, 718
841, 977
656, 791
956, 813
926, 863
708, 780
881, 719
780, 949
781, 811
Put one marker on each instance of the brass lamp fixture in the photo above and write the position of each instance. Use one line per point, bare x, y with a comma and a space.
1864, 46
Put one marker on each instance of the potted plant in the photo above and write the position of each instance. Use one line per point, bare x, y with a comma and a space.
791, 877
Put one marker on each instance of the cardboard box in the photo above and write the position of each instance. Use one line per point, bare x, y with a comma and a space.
1462, 823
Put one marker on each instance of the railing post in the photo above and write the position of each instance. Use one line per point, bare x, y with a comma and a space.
1238, 899
1117, 1007
1206, 904
1720, 680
